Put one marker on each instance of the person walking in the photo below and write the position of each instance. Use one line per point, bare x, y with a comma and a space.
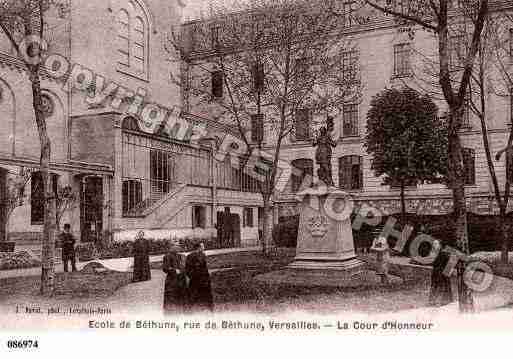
200, 287
68, 248
175, 287
142, 270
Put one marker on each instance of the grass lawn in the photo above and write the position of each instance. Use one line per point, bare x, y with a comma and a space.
237, 290
67, 285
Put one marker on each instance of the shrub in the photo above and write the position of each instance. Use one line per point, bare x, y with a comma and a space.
18, 260
285, 233
125, 249
86, 252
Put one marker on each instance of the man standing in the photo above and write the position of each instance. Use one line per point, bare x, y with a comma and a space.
68, 248
200, 288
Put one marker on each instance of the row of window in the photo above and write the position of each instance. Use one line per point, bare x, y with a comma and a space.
350, 171
303, 123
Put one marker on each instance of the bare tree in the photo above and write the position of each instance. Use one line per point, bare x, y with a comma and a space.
275, 58
22, 22
15, 194
491, 76
437, 16
66, 201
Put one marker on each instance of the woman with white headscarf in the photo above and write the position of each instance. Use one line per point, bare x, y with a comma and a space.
141, 259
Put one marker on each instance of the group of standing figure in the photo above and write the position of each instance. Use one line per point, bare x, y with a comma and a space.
187, 286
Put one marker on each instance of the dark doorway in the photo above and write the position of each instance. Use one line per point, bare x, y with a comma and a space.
91, 209
3, 203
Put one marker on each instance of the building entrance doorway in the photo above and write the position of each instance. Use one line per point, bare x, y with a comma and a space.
91, 209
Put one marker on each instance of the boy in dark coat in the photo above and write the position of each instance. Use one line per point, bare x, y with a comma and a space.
200, 288
68, 248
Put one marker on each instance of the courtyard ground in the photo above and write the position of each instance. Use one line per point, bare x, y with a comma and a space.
235, 290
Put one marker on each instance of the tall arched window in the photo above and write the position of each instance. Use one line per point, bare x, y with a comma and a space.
133, 39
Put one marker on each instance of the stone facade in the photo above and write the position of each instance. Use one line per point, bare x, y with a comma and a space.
376, 39
118, 43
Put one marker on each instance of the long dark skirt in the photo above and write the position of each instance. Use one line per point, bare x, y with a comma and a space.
441, 291
201, 298
142, 270
175, 294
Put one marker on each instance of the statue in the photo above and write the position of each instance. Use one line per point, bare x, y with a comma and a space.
323, 152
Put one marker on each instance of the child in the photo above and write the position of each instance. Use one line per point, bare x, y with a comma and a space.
380, 247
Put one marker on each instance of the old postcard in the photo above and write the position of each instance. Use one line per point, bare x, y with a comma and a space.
251, 167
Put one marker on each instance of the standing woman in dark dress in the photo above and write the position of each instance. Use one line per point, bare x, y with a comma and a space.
141, 259
200, 288
441, 292
175, 288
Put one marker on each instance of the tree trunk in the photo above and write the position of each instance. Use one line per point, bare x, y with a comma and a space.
457, 182
48, 244
504, 235
267, 232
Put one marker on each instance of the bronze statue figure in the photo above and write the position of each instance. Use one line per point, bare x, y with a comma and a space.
323, 152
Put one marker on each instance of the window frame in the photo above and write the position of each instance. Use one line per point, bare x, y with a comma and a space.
137, 13
306, 129
400, 69
199, 220
469, 153
248, 217
130, 187
354, 120
257, 128
217, 84
349, 164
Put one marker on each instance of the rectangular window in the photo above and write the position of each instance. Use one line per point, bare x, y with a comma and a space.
258, 77
350, 120
199, 219
257, 128
248, 218
302, 124
469, 166
37, 204
402, 54
160, 173
217, 84
132, 196
351, 172
349, 65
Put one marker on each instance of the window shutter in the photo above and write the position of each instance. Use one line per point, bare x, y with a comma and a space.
257, 128
258, 77
217, 84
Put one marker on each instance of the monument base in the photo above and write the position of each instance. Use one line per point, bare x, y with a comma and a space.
351, 266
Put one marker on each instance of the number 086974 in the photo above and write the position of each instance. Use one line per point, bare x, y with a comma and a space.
22, 344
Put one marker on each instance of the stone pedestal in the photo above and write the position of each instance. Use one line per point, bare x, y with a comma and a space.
325, 239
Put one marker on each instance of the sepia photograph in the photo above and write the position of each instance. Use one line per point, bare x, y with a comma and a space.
289, 167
